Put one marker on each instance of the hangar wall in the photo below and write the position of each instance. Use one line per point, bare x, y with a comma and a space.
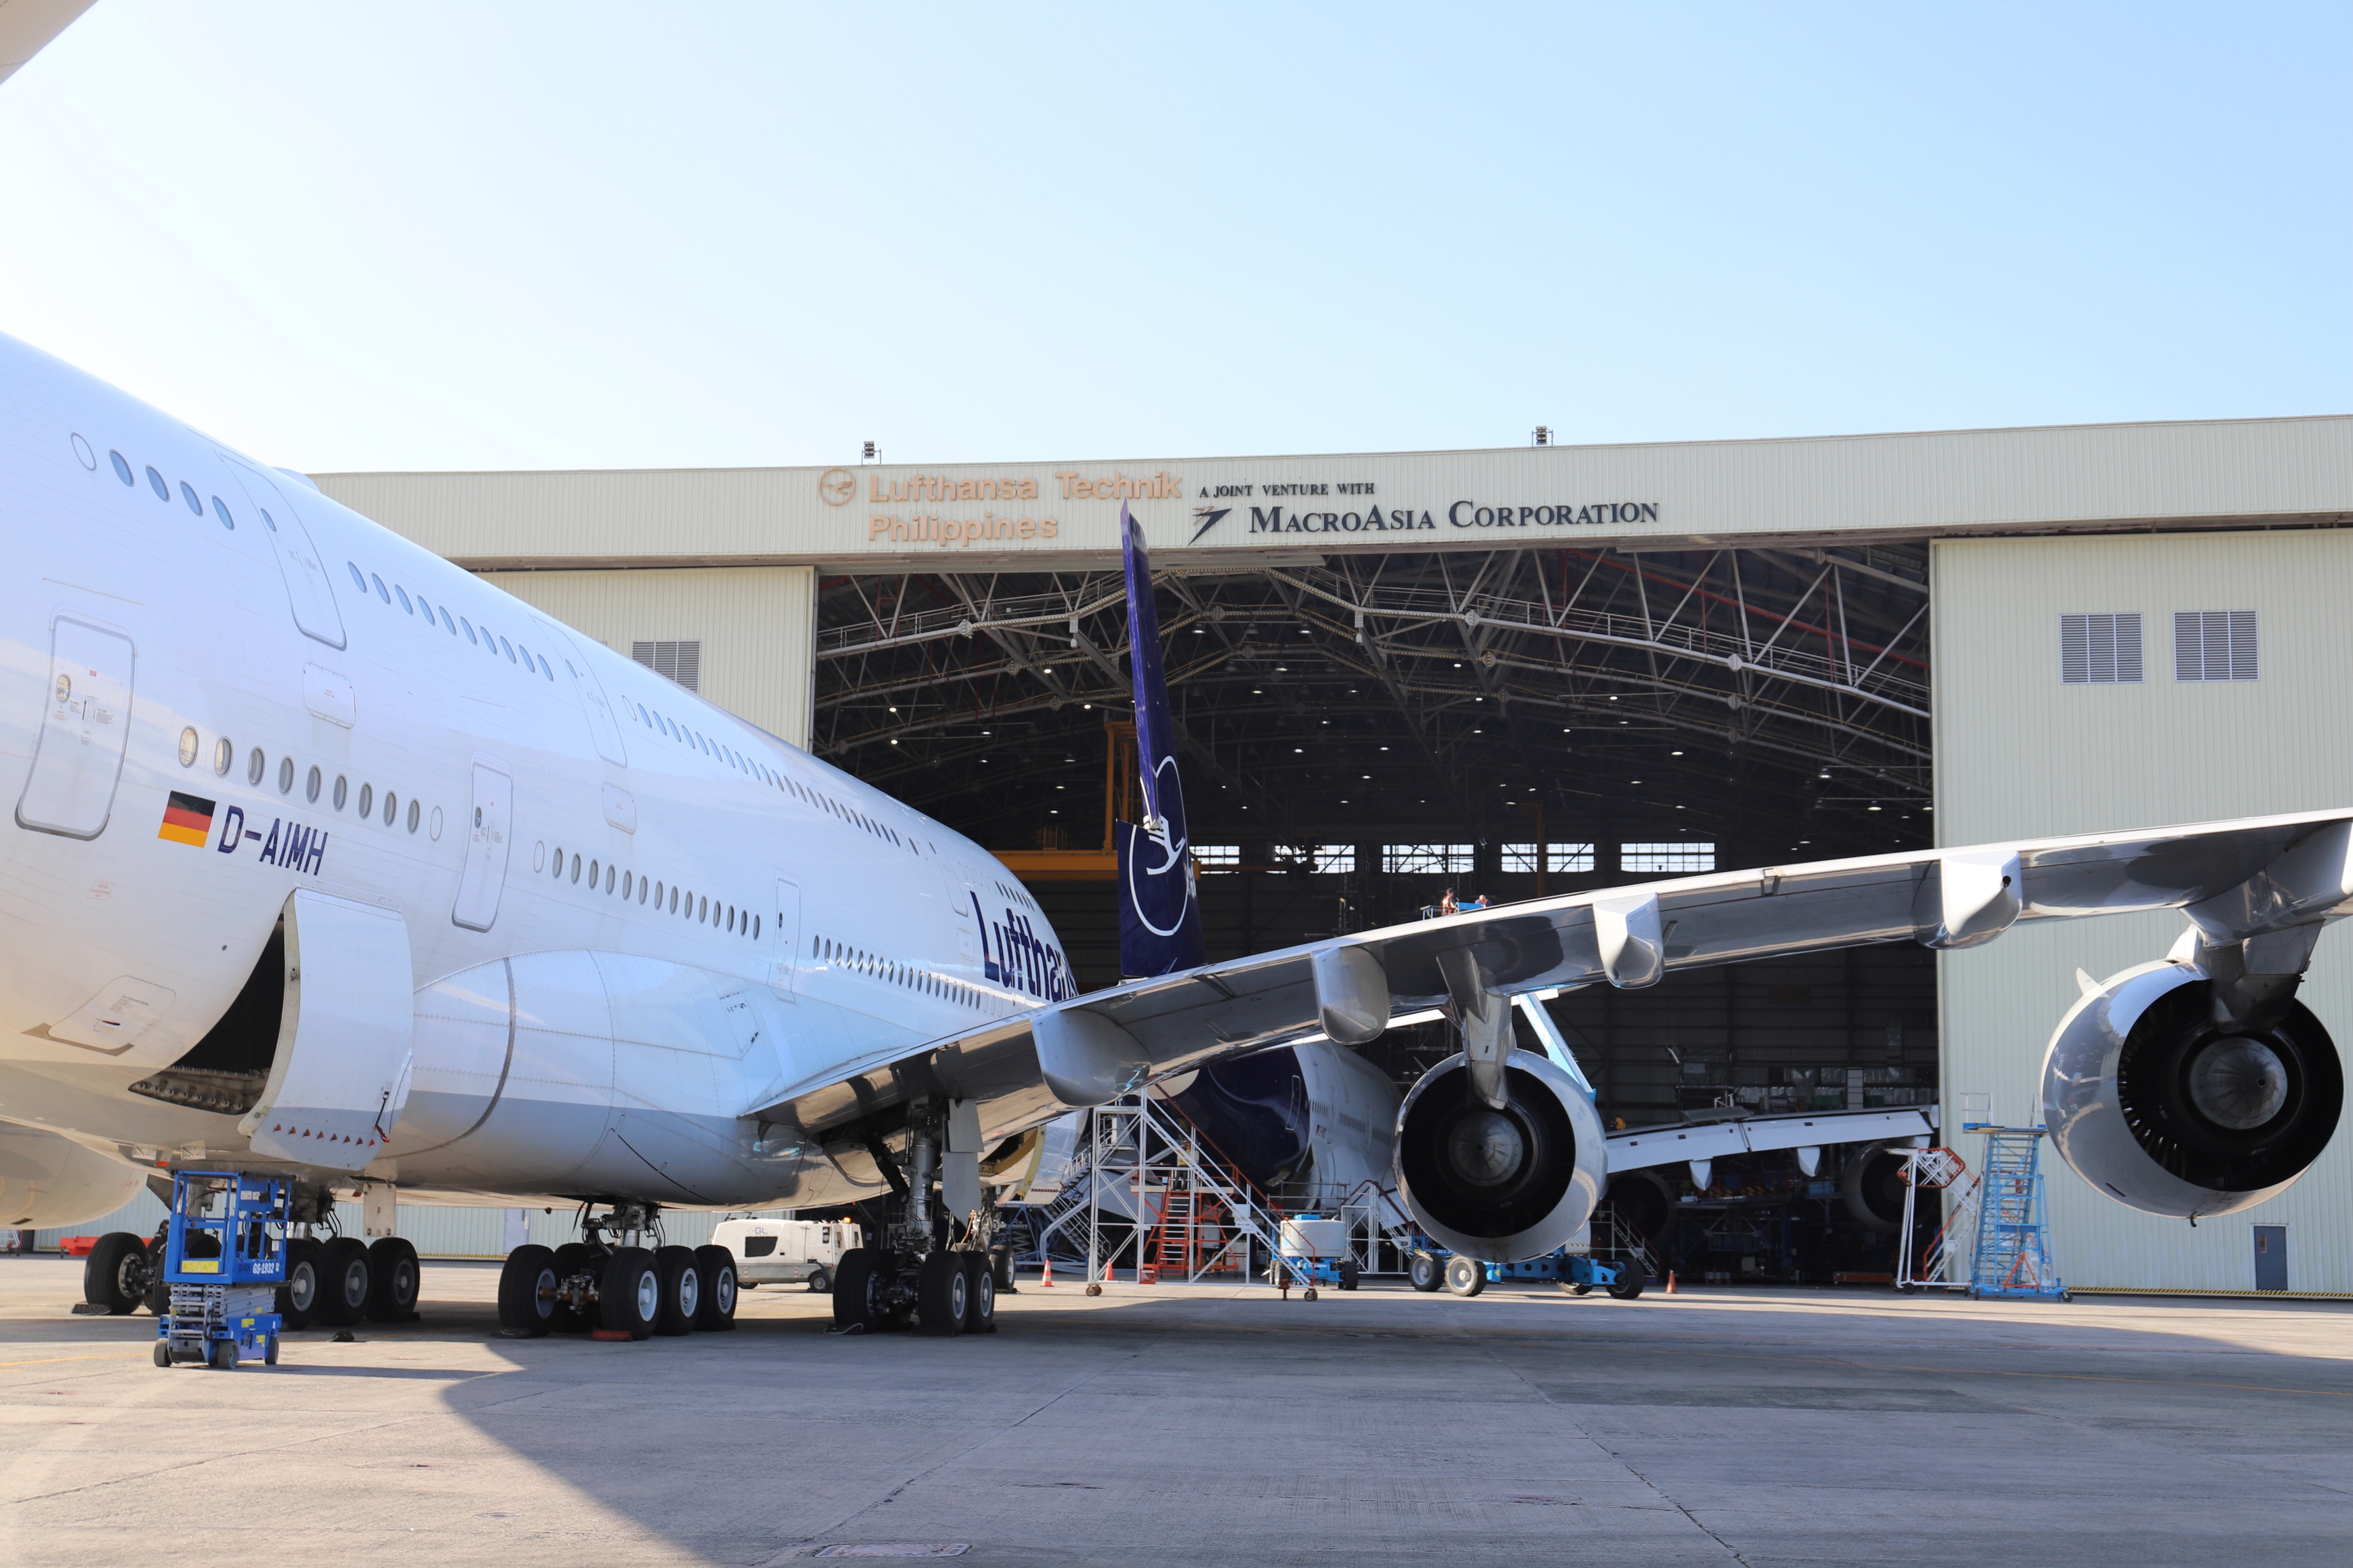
756, 625
2021, 753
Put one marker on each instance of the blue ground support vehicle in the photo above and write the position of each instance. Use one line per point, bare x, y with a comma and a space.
1430, 1266
223, 1259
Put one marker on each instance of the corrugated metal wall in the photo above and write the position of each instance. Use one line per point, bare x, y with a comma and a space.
757, 626
438, 1230
2020, 754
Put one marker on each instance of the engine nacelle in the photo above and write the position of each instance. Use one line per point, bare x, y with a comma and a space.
2162, 1107
1501, 1185
47, 1181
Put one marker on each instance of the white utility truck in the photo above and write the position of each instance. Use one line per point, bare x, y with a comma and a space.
786, 1251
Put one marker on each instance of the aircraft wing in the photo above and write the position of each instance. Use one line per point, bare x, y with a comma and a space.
28, 26
2234, 879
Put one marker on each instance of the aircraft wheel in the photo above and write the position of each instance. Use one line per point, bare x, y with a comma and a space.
576, 1257
980, 1293
1465, 1275
297, 1299
394, 1280
682, 1290
1426, 1272
717, 1310
943, 1296
345, 1281
630, 1297
860, 1277
114, 1274
527, 1291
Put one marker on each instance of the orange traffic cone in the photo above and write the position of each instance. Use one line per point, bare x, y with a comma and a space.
1046, 1281
1671, 1282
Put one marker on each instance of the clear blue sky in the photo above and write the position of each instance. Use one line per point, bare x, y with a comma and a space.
527, 234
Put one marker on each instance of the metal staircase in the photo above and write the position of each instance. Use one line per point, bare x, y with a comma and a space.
2012, 1254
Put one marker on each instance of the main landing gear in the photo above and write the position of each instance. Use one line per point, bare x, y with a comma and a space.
331, 1281
615, 1287
939, 1275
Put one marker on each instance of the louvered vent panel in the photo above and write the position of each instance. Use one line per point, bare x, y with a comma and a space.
679, 661
2100, 649
2215, 645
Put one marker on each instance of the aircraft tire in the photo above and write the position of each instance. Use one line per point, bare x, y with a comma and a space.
943, 1296
395, 1281
858, 1279
1426, 1272
980, 1293
682, 1290
629, 1297
345, 1282
297, 1299
576, 1257
114, 1274
715, 1313
1465, 1277
523, 1308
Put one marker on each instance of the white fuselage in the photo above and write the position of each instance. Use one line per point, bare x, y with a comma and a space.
668, 919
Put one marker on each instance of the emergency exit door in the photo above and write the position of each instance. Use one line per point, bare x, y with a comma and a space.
785, 975
85, 721
310, 591
486, 846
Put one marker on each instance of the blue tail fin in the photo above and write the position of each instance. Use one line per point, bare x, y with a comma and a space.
1159, 909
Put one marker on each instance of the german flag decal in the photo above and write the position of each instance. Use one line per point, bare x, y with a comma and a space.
188, 819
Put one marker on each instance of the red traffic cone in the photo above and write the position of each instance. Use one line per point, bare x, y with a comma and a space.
1046, 1281
1671, 1282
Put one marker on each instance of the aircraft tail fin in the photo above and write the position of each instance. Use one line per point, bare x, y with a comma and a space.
1159, 908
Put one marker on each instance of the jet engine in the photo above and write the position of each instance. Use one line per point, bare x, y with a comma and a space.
1501, 1185
2167, 1092
47, 1181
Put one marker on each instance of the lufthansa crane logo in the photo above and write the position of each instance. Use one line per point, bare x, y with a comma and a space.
836, 486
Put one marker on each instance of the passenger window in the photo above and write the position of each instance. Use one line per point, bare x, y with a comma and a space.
526, 655
559, 863
575, 868
268, 521
625, 884
254, 766
445, 621
405, 605
412, 816
163, 490
311, 787
357, 575
544, 669
424, 609
391, 807
188, 494
121, 469
224, 753
608, 881
592, 876
379, 588
469, 628
508, 647
343, 791
285, 775
367, 801
222, 513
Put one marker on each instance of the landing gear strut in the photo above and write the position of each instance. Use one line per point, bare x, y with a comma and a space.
946, 1284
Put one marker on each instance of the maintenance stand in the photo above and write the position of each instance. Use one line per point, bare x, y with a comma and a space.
224, 1257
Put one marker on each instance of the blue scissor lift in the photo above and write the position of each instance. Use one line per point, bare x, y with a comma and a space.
223, 1259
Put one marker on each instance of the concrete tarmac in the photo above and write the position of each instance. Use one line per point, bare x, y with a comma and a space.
1204, 1424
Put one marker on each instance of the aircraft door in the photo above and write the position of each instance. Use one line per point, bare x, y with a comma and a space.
309, 593
486, 846
77, 760
785, 978
340, 1079
602, 726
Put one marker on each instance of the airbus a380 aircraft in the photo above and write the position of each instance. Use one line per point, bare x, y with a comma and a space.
329, 858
